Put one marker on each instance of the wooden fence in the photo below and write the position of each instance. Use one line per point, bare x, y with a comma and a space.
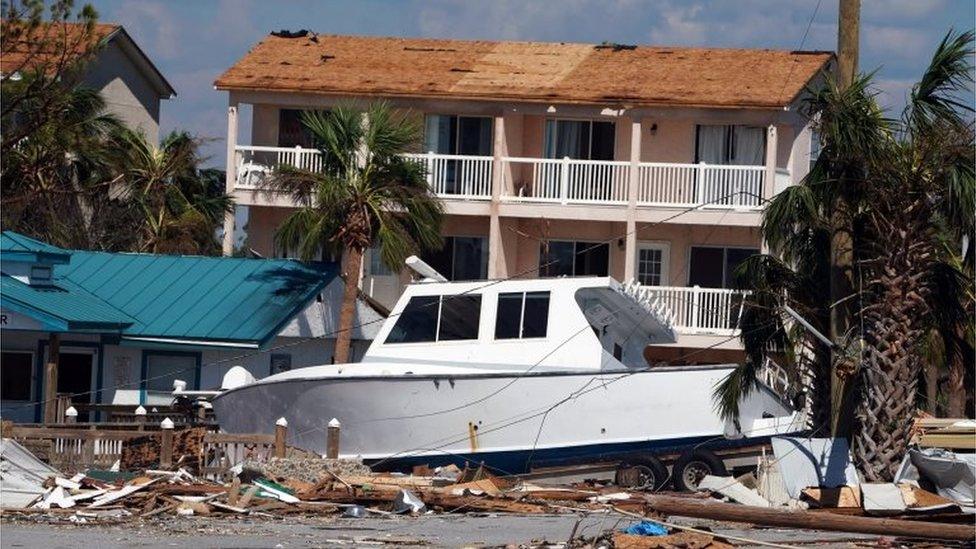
79, 446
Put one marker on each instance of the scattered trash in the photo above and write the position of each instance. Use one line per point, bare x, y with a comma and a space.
407, 502
354, 511
646, 528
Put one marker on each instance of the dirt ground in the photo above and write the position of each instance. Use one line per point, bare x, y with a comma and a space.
433, 530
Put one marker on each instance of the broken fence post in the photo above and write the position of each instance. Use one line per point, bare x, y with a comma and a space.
332, 439
71, 415
166, 449
141, 417
281, 435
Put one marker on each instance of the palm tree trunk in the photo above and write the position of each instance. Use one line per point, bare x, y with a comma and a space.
956, 387
353, 264
896, 321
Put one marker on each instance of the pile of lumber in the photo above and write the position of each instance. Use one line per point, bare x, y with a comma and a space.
950, 433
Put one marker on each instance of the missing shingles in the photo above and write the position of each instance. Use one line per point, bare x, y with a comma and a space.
414, 48
613, 46
326, 57
285, 33
456, 69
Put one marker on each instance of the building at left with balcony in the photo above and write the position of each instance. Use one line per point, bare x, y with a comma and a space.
112, 331
553, 159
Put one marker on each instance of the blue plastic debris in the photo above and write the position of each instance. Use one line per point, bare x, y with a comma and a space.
646, 528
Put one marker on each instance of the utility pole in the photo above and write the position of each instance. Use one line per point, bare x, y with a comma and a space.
842, 246
848, 41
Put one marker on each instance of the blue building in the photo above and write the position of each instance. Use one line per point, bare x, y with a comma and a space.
119, 328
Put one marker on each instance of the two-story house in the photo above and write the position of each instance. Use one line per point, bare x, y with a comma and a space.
647, 163
120, 70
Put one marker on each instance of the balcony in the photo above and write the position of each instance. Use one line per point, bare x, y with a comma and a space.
700, 311
551, 181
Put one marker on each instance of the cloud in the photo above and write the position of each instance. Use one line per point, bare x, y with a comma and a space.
152, 25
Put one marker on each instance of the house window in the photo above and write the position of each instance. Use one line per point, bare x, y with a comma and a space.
652, 264
714, 267
572, 258
15, 375
461, 258
730, 145
437, 318
579, 139
815, 146
292, 132
163, 368
522, 315
376, 265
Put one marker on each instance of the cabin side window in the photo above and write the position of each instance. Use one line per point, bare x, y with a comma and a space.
522, 315
437, 318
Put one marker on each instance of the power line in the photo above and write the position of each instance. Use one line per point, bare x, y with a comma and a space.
337, 331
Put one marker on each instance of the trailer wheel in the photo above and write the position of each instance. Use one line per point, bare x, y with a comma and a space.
643, 473
693, 466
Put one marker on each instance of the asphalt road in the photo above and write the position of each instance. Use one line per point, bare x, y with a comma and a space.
427, 530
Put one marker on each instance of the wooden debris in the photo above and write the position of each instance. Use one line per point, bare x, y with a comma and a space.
842, 497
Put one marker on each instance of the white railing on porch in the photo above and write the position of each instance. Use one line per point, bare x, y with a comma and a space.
565, 181
255, 163
547, 180
697, 310
457, 176
712, 186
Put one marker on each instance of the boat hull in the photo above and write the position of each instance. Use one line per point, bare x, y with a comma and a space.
510, 422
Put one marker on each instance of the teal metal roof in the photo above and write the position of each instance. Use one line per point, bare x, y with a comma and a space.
17, 247
198, 298
62, 307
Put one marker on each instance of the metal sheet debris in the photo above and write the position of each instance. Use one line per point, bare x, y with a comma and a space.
952, 475
22, 475
882, 498
805, 462
732, 489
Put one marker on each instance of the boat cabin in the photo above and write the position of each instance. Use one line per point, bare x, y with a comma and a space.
585, 323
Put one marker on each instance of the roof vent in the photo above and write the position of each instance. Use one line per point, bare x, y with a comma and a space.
40, 275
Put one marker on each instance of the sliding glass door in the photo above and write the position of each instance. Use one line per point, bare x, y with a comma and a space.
579, 139
724, 145
457, 135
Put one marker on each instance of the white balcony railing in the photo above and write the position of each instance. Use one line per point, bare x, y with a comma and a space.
712, 186
565, 180
457, 176
255, 163
547, 180
697, 310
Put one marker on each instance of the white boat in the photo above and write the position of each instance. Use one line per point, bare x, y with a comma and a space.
514, 374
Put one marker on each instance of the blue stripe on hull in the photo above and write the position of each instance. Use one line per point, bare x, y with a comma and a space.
521, 461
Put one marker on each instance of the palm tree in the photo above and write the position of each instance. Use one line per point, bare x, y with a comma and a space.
175, 206
55, 180
904, 190
366, 194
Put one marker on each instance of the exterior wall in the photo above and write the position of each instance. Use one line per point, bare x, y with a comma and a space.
121, 366
127, 93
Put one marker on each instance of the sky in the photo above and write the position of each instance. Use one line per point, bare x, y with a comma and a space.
194, 41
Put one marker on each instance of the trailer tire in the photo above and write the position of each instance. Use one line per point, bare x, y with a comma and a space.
650, 473
692, 466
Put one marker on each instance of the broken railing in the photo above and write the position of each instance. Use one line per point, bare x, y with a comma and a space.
76, 446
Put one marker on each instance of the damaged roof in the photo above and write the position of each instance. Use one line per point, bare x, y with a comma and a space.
524, 71
24, 52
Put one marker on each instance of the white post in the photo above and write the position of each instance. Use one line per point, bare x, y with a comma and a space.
700, 184
231, 178
695, 307
633, 181
769, 181
496, 246
430, 172
564, 180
